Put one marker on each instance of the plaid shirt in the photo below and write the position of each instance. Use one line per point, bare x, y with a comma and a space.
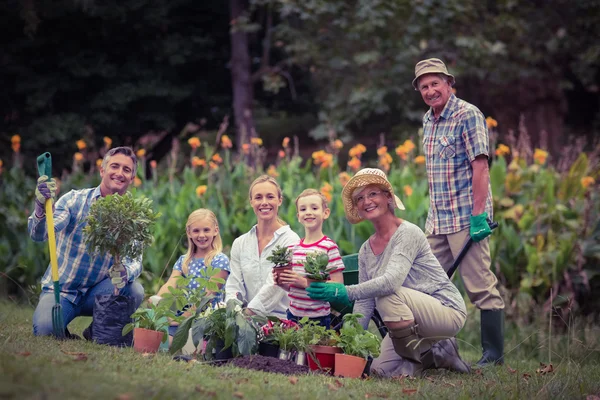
451, 143
77, 269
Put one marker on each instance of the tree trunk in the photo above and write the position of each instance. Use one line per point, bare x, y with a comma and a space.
241, 76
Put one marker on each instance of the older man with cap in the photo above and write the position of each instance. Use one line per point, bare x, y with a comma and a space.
399, 275
456, 146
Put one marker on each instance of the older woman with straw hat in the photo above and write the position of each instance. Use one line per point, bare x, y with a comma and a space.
400, 276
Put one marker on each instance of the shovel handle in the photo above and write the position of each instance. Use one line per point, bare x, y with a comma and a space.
44, 163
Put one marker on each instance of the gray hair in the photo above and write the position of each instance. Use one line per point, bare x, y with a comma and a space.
126, 151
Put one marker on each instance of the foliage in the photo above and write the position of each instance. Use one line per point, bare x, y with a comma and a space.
227, 324
354, 340
120, 226
284, 333
155, 318
311, 333
281, 256
316, 266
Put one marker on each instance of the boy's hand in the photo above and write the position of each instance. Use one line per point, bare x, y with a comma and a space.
289, 278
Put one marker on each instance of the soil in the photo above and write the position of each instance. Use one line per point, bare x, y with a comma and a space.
269, 364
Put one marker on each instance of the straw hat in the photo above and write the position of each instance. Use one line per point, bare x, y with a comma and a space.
365, 177
431, 66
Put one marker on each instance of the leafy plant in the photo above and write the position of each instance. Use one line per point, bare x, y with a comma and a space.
316, 266
155, 318
284, 333
281, 256
120, 226
354, 340
311, 333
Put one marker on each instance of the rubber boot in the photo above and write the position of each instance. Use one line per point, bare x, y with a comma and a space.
407, 344
492, 337
445, 355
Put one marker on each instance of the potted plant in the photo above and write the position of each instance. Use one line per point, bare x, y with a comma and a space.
227, 330
320, 343
281, 257
268, 345
357, 344
285, 334
119, 225
316, 266
150, 327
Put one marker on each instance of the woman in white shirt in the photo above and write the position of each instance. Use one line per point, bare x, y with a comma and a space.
250, 268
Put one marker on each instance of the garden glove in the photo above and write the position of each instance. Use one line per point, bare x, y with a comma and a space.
45, 189
332, 292
480, 229
118, 276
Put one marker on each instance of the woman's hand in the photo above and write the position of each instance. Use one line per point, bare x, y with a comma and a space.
290, 278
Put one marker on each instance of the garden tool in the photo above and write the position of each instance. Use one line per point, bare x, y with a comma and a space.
44, 163
493, 225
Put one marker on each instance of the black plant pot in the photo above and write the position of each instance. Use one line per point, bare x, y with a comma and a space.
268, 349
220, 354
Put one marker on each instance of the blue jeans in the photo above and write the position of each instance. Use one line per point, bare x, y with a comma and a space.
42, 317
323, 321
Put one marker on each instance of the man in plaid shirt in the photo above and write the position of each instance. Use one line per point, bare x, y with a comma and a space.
82, 276
456, 147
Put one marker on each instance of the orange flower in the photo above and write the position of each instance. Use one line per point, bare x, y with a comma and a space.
99, 162
338, 144
137, 182
246, 148
141, 153
344, 178
408, 191
357, 151
540, 156
322, 158
385, 160
382, 150
213, 165
16, 147
226, 142
326, 190
420, 160
217, 158
256, 141
587, 181
107, 141
281, 154
153, 164
15, 139
491, 123
402, 152
78, 156
272, 171
80, 144
286, 142
194, 142
200, 190
354, 164
409, 145
1, 163
198, 162
502, 150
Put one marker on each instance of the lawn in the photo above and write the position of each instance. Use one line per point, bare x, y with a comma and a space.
43, 368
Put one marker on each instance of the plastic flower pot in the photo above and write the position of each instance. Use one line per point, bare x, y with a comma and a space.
323, 358
301, 358
268, 349
284, 354
349, 366
278, 270
220, 354
146, 340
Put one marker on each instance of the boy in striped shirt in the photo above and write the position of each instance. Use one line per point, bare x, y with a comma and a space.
312, 210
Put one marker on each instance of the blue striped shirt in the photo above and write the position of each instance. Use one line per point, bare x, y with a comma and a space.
450, 144
78, 270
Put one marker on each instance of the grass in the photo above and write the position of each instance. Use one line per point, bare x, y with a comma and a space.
32, 367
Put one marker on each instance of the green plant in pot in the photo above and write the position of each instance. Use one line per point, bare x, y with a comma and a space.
150, 327
316, 266
357, 344
320, 344
285, 334
281, 257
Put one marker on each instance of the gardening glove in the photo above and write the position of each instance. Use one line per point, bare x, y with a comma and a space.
480, 229
332, 292
118, 276
45, 189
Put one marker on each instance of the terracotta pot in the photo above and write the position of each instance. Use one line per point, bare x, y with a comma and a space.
349, 366
281, 269
268, 349
322, 357
146, 340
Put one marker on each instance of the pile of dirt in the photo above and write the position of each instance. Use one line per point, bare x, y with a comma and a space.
269, 364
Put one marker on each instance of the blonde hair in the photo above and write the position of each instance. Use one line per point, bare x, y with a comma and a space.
216, 245
269, 179
313, 192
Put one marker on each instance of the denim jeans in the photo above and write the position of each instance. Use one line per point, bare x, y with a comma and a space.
323, 321
42, 317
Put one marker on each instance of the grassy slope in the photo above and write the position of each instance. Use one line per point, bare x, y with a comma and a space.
33, 367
